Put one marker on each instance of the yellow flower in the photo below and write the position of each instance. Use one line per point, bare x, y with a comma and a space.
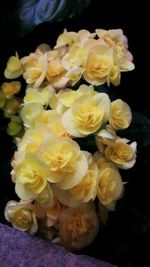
110, 185
52, 120
39, 95
31, 142
21, 216
105, 137
29, 113
66, 38
75, 57
100, 66
13, 69
31, 177
102, 162
86, 189
121, 154
87, 114
67, 164
34, 68
121, 115
9, 89
83, 191
116, 39
78, 226
55, 72
65, 98
45, 198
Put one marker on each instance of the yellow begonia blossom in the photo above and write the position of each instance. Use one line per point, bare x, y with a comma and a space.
104, 138
13, 69
75, 57
34, 68
21, 216
74, 62
31, 142
86, 189
83, 191
67, 164
55, 72
101, 67
121, 116
39, 95
116, 39
31, 177
78, 226
84, 36
52, 120
66, 38
45, 198
9, 89
102, 162
65, 98
110, 185
29, 113
87, 114
121, 154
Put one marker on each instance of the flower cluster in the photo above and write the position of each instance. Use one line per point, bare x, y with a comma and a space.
63, 187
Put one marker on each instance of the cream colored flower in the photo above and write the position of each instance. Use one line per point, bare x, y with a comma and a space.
13, 69
105, 137
115, 38
87, 114
65, 98
75, 57
9, 89
52, 120
21, 216
83, 191
86, 189
45, 198
121, 154
121, 115
78, 226
29, 113
102, 162
100, 66
66, 38
31, 177
110, 185
55, 72
39, 95
31, 143
74, 62
34, 68
67, 164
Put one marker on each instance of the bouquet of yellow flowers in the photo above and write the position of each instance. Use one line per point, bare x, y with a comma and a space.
66, 165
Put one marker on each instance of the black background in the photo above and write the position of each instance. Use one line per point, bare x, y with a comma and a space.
125, 240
